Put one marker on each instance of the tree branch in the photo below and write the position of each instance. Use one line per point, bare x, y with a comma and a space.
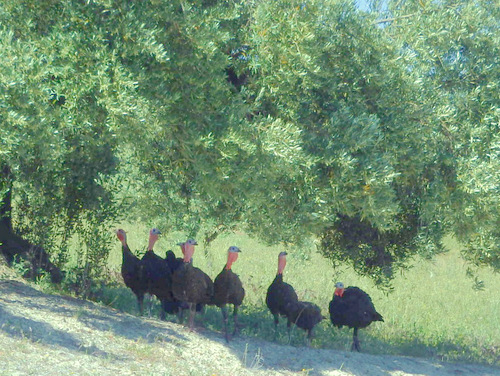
395, 18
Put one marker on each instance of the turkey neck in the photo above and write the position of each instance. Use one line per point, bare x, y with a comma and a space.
125, 248
188, 252
152, 241
231, 257
279, 278
281, 264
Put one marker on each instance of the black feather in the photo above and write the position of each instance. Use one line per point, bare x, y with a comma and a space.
354, 309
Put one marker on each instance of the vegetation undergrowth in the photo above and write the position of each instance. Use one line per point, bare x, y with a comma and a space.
433, 310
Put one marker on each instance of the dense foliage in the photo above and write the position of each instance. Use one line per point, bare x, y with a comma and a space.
376, 133
455, 48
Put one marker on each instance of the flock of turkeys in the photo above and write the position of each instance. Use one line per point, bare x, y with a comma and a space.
180, 286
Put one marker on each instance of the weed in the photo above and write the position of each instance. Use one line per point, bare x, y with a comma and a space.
256, 361
20, 265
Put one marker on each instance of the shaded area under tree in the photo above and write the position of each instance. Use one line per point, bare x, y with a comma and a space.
14, 247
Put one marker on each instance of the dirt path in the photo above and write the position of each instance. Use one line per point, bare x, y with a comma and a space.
44, 334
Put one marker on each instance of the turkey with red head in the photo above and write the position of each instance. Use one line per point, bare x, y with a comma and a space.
157, 273
190, 284
280, 295
228, 289
354, 308
132, 271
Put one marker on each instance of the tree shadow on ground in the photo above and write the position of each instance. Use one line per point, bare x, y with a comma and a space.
16, 298
26, 313
35, 331
257, 347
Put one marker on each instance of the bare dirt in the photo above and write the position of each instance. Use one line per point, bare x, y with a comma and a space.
42, 334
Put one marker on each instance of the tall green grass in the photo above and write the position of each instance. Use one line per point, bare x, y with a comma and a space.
433, 311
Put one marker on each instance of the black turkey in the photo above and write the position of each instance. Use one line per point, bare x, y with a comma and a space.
228, 289
352, 307
280, 295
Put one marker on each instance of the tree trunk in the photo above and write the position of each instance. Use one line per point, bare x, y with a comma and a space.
12, 245
5, 202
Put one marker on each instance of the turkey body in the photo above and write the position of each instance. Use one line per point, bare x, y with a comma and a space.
305, 315
354, 308
171, 305
228, 289
131, 271
280, 295
158, 277
190, 284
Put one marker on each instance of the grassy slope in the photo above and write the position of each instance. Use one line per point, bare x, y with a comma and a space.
47, 334
432, 312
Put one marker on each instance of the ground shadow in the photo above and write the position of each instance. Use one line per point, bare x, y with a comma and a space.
35, 331
259, 348
90, 314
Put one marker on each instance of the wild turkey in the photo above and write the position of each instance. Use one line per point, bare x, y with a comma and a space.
131, 271
157, 273
228, 289
352, 307
172, 305
305, 315
280, 294
173, 261
190, 284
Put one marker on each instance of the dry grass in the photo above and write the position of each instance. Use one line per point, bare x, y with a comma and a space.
43, 334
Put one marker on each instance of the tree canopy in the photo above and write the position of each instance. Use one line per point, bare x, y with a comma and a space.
374, 132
